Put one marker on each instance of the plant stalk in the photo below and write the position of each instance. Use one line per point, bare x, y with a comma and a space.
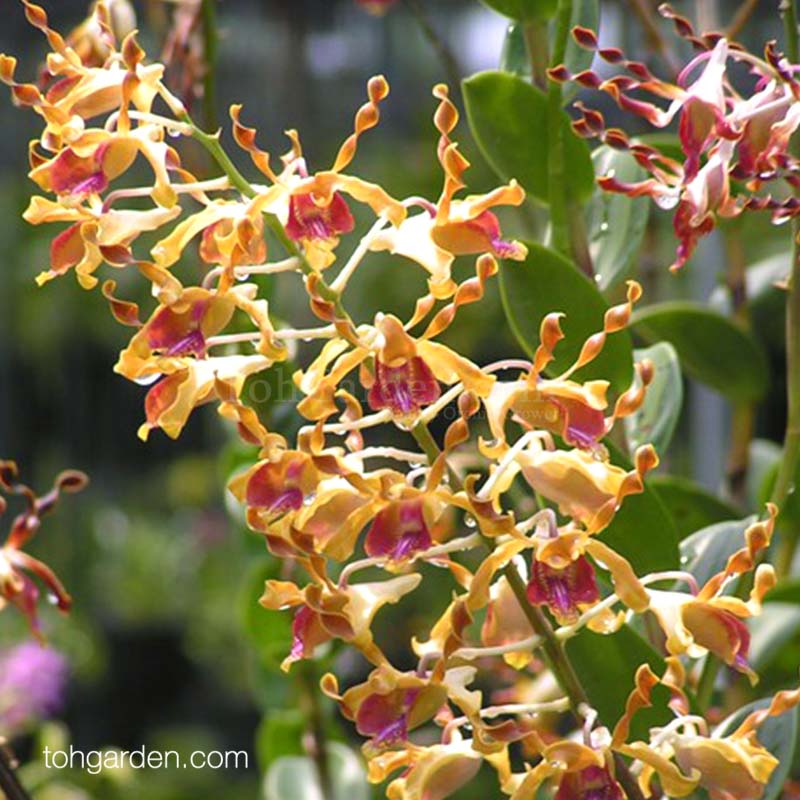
217, 152
318, 747
566, 216
787, 469
440, 46
535, 33
10, 786
554, 652
210, 47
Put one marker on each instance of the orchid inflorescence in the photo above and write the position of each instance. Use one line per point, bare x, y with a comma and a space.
735, 146
331, 504
17, 567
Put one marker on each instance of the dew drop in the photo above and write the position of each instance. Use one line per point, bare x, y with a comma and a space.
309, 499
147, 380
666, 201
603, 227
469, 521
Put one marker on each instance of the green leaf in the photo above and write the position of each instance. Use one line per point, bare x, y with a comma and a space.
691, 506
524, 9
270, 632
547, 282
770, 631
656, 551
294, 777
508, 118
654, 422
585, 13
790, 510
616, 223
763, 459
712, 348
606, 666
777, 734
706, 551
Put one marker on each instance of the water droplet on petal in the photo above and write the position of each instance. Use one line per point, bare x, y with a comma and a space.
469, 521
666, 201
147, 380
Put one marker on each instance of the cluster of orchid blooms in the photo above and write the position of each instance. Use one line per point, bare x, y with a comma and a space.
333, 505
735, 145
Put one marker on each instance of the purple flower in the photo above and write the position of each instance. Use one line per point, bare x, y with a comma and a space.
32, 683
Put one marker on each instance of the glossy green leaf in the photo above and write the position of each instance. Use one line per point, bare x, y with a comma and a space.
706, 551
295, 777
617, 223
508, 118
691, 506
524, 9
607, 666
712, 348
654, 422
777, 734
774, 627
546, 282
658, 549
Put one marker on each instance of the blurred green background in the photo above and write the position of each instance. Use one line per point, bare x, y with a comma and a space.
167, 645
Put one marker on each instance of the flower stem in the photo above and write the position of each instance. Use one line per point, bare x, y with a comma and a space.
564, 672
10, 786
217, 152
446, 55
566, 220
535, 33
553, 648
210, 42
708, 677
554, 652
317, 745
787, 469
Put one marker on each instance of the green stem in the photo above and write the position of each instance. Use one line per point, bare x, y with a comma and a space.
535, 33
789, 15
554, 651
705, 686
217, 152
787, 469
10, 787
743, 417
210, 43
566, 216
440, 46
318, 750
555, 655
